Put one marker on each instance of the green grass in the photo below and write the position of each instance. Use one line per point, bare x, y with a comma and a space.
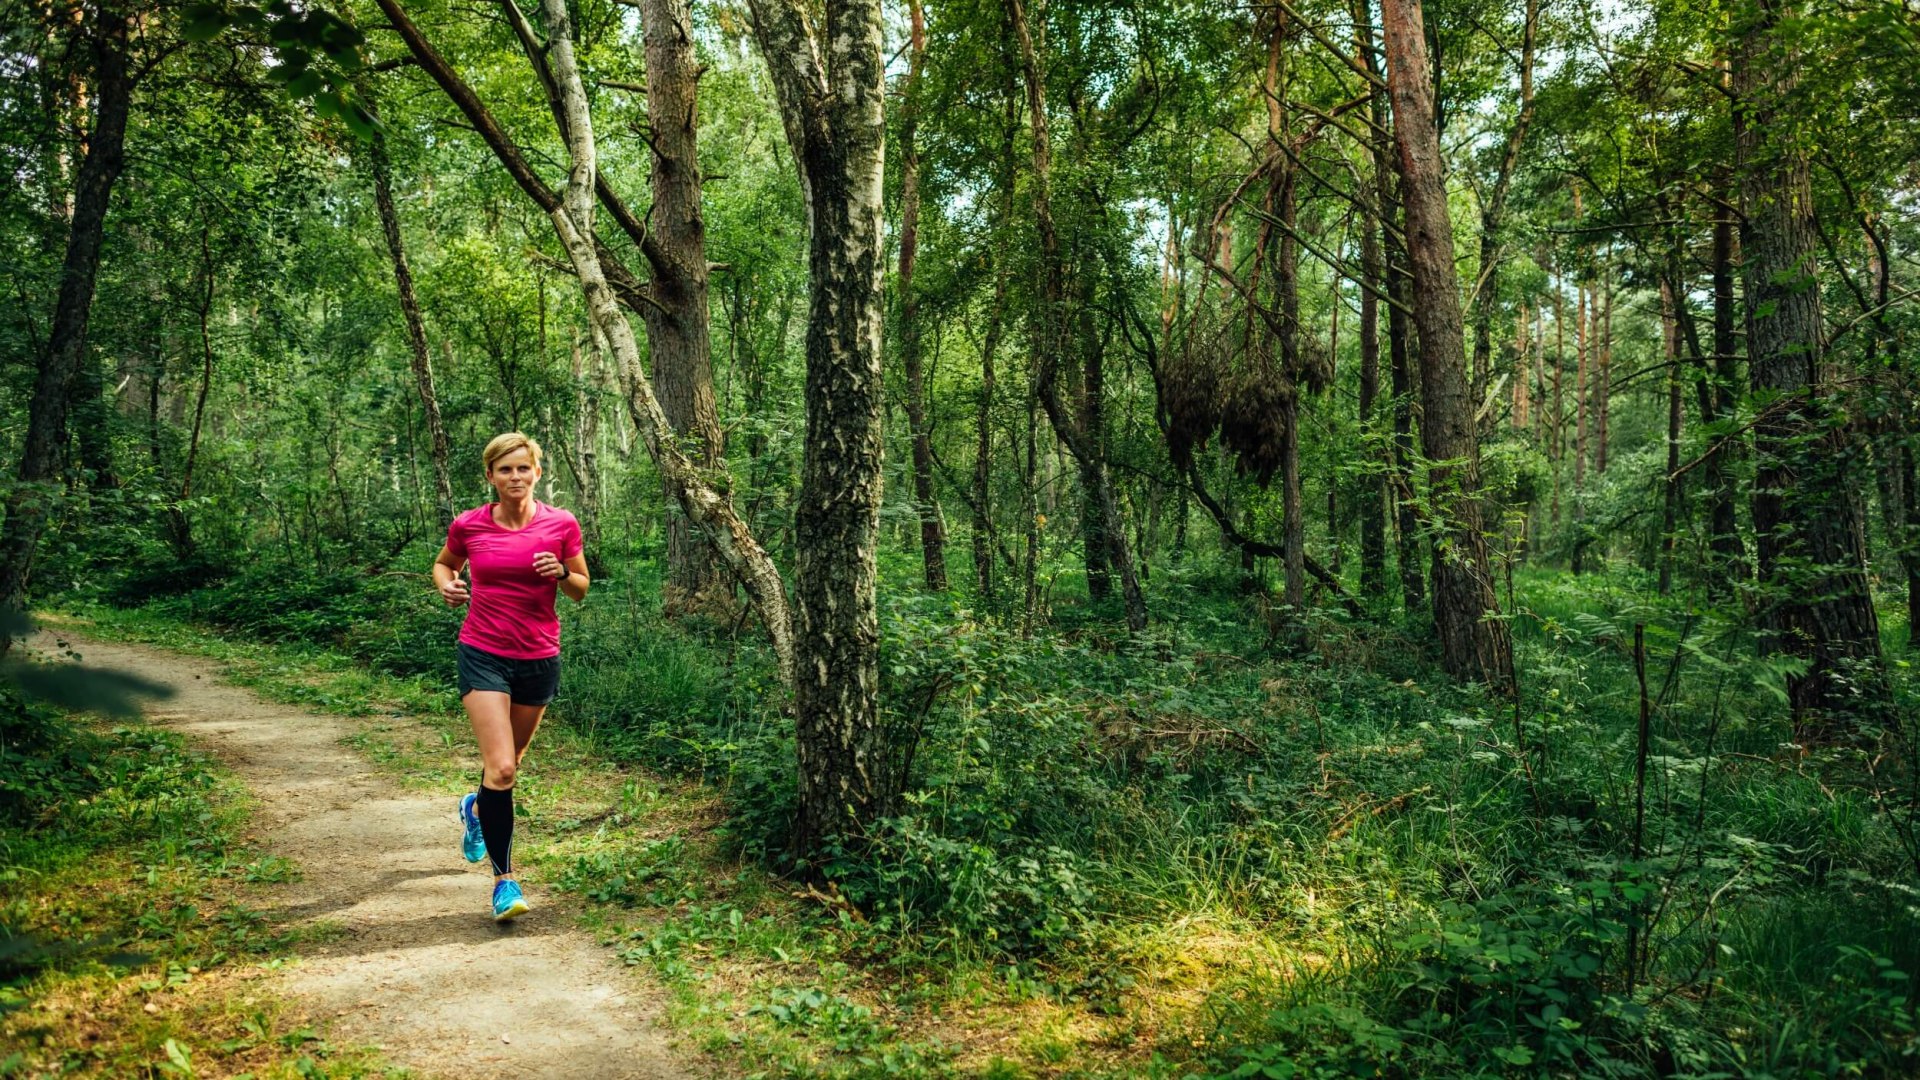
131, 915
1202, 851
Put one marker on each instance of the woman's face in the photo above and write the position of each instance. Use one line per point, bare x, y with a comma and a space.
515, 474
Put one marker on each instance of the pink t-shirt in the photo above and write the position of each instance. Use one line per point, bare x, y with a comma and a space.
511, 613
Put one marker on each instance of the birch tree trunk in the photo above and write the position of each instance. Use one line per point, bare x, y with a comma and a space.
711, 509
1474, 640
831, 104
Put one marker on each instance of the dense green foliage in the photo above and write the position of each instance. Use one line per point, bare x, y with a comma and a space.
1268, 813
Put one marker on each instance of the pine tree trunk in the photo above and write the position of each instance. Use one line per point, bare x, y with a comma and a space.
1474, 641
1373, 512
1670, 507
1604, 389
1815, 601
1723, 516
44, 453
1399, 479
422, 358
1580, 398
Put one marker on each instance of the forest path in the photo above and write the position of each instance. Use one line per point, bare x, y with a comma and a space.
420, 970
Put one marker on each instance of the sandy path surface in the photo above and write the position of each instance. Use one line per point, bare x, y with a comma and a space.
421, 970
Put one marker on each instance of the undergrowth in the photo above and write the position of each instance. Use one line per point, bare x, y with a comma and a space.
1216, 849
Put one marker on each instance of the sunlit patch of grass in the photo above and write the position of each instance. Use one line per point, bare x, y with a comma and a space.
131, 930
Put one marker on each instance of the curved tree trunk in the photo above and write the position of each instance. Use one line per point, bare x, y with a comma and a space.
1474, 641
710, 508
44, 453
422, 359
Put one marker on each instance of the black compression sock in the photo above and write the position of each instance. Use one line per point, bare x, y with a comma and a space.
494, 808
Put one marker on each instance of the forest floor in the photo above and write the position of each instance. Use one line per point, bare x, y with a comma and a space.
653, 948
414, 966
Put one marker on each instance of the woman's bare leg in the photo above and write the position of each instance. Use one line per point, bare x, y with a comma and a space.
526, 721
490, 712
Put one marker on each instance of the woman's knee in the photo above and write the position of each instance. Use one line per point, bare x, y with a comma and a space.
500, 774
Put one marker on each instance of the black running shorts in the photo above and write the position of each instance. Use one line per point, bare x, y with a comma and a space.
526, 682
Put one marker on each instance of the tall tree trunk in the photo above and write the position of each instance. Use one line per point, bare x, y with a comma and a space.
1286, 284
1373, 508
422, 359
1413, 590
1580, 398
933, 536
1082, 437
1557, 449
1815, 602
1670, 507
831, 103
44, 452
678, 338
1473, 639
1723, 516
1603, 390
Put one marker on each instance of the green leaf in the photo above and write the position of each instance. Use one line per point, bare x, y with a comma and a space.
205, 22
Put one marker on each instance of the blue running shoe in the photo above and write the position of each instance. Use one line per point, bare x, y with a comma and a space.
507, 901
474, 844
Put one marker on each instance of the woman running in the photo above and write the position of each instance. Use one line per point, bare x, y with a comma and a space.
519, 551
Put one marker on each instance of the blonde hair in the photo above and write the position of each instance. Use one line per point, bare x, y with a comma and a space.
502, 445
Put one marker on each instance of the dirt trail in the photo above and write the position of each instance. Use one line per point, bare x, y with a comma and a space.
421, 971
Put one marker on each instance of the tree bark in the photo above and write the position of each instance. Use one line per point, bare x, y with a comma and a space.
1473, 639
422, 359
1284, 208
1723, 517
1670, 506
833, 114
1603, 390
710, 508
583, 451
1815, 603
1580, 399
933, 535
44, 453
678, 340
1399, 478
1373, 508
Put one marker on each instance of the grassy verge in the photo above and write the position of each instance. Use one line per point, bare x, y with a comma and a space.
769, 980
132, 939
